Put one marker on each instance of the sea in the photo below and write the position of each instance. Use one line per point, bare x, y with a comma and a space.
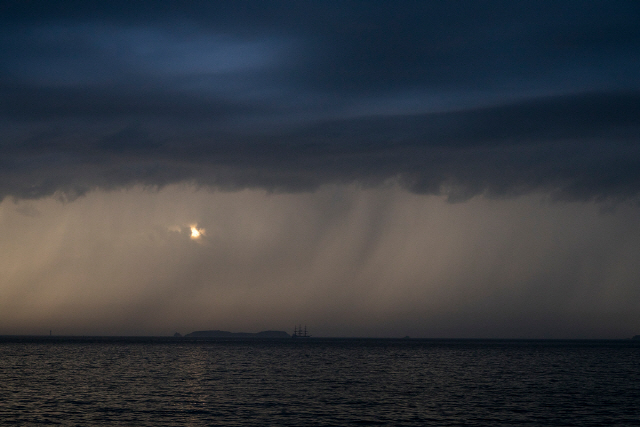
150, 381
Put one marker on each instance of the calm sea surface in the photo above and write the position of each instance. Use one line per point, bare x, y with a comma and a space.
320, 382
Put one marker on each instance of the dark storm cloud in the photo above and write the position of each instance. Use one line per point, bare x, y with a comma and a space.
457, 98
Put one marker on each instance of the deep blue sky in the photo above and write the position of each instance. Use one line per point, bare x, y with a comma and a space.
430, 168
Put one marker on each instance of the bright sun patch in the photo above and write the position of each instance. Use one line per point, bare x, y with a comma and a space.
196, 232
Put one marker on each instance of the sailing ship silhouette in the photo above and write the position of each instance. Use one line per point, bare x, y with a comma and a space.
298, 332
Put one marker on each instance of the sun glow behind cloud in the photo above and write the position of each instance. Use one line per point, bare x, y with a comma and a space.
196, 233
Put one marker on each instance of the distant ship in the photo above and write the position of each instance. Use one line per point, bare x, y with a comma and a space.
298, 332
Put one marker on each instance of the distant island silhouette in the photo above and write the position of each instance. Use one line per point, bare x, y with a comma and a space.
226, 334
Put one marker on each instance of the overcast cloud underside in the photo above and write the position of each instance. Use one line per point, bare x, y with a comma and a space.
446, 98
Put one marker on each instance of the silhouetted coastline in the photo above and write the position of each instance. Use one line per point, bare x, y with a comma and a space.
226, 334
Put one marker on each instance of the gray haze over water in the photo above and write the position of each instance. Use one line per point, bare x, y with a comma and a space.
346, 261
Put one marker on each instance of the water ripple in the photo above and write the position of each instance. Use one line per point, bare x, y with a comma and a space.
320, 382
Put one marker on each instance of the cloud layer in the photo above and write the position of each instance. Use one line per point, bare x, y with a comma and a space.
483, 98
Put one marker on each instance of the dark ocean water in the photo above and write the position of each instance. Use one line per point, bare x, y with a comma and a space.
138, 381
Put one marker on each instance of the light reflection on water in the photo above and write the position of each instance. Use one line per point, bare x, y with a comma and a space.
319, 382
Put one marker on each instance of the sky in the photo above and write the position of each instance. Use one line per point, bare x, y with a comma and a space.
441, 169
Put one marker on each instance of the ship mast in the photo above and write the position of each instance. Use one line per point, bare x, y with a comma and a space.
299, 332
